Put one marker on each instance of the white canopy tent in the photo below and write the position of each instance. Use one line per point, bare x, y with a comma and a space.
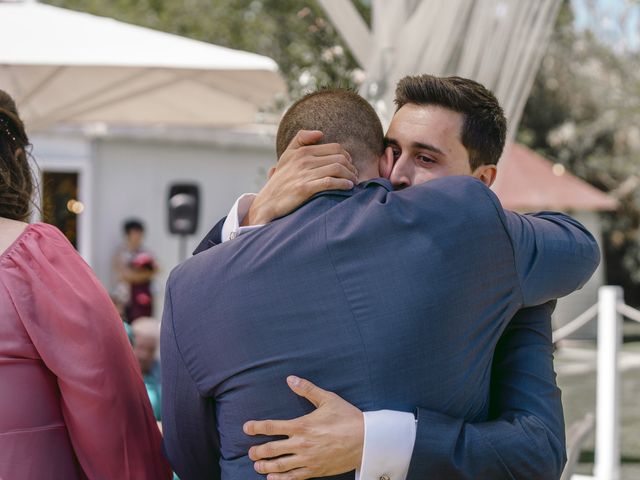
66, 67
497, 42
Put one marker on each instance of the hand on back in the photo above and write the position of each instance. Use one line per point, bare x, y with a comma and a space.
328, 441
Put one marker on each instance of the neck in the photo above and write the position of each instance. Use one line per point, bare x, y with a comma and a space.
368, 174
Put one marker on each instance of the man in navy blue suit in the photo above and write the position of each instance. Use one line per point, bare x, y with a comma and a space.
524, 434
433, 426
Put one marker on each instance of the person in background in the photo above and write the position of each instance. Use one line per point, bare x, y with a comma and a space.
146, 340
72, 402
134, 269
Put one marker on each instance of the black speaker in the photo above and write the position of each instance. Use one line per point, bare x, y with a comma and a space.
184, 208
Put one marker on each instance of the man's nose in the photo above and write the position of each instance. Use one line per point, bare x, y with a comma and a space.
400, 175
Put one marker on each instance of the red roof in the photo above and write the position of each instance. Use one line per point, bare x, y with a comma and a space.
527, 181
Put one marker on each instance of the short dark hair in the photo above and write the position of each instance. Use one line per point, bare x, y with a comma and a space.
133, 224
484, 129
342, 115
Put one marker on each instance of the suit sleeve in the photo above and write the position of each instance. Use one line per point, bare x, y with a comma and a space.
554, 254
525, 437
188, 418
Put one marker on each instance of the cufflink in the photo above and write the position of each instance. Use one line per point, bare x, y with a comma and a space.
233, 235
384, 477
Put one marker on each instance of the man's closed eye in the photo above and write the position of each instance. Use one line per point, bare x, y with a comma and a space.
426, 160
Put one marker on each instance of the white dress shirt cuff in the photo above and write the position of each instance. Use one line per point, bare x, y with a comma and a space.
389, 437
231, 228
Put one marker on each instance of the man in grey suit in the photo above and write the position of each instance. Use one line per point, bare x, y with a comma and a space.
238, 316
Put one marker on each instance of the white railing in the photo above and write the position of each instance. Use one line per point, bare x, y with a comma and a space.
609, 310
575, 324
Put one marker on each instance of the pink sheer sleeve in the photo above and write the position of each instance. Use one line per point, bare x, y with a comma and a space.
80, 338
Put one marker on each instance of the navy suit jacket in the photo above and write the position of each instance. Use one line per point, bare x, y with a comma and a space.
422, 283
523, 437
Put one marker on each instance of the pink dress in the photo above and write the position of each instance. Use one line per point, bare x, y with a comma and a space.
72, 401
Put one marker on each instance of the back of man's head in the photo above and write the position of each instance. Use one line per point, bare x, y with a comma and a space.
343, 116
484, 128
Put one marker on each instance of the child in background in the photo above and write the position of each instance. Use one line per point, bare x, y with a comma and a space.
146, 339
134, 269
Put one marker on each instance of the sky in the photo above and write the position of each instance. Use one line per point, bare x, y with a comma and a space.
606, 21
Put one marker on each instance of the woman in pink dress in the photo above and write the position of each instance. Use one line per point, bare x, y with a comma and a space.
72, 401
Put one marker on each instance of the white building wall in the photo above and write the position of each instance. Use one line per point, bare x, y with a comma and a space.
131, 178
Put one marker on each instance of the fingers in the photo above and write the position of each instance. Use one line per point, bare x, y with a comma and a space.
305, 137
270, 427
327, 183
274, 449
308, 390
303, 147
322, 150
296, 149
278, 465
335, 170
313, 162
297, 474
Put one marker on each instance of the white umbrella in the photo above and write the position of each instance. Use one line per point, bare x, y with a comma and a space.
68, 67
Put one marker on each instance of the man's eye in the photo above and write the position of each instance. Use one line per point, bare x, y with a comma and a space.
396, 153
425, 159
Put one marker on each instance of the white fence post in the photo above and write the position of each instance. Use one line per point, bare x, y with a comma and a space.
607, 454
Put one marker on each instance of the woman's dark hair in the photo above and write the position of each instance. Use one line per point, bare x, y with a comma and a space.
16, 182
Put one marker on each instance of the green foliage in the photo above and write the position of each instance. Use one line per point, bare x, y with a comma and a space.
295, 33
584, 112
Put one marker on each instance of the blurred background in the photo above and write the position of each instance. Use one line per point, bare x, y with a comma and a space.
130, 123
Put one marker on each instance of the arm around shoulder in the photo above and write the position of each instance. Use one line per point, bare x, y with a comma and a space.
554, 254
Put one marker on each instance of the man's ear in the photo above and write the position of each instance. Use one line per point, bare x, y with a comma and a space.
272, 170
385, 164
486, 174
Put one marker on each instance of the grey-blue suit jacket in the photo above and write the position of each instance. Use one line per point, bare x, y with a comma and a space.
390, 299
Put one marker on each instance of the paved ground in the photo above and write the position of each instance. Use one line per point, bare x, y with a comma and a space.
577, 378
